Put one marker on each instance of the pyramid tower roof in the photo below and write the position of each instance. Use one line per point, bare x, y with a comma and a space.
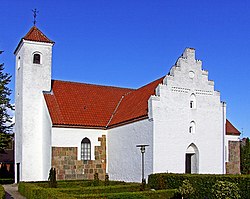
36, 35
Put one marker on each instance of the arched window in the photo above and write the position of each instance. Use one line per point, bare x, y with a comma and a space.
85, 149
36, 58
192, 127
192, 102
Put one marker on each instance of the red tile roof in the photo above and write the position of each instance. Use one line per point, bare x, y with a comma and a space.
230, 129
135, 104
79, 104
95, 106
35, 34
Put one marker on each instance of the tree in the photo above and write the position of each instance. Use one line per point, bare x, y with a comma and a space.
6, 124
245, 156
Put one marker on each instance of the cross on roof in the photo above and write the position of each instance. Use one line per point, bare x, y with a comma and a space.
35, 12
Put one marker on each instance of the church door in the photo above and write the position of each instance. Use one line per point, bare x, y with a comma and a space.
192, 159
188, 163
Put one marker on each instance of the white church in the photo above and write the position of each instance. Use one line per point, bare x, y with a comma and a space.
82, 129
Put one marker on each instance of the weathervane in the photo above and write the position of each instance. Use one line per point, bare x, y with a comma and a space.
34, 15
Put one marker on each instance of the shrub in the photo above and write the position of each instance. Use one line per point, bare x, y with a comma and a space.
2, 192
143, 185
161, 194
225, 190
32, 191
106, 182
186, 189
96, 180
52, 178
6, 181
202, 183
102, 189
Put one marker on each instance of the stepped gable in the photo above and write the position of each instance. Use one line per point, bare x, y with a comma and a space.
230, 129
96, 106
83, 105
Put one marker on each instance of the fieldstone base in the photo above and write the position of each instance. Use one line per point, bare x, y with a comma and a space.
64, 159
233, 165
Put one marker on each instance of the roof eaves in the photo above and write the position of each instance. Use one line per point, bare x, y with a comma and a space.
143, 117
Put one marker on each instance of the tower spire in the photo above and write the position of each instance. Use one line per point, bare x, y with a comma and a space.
35, 12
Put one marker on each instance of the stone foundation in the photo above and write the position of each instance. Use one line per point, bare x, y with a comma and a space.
233, 165
64, 159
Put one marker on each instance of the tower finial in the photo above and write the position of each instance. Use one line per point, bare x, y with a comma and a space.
35, 12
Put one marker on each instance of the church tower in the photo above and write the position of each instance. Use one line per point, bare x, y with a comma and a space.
32, 78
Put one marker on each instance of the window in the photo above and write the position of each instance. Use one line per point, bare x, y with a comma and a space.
192, 102
18, 63
192, 127
85, 149
36, 58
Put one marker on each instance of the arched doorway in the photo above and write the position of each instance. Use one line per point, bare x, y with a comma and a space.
192, 159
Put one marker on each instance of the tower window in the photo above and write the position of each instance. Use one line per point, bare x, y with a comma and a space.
85, 149
192, 127
192, 102
37, 59
18, 63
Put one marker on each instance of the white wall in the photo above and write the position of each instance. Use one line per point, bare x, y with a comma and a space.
171, 114
31, 80
46, 145
124, 158
72, 137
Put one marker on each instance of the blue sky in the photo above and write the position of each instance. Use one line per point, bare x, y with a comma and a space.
129, 43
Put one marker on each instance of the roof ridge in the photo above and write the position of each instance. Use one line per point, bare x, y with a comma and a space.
117, 106
92, 84
151, 82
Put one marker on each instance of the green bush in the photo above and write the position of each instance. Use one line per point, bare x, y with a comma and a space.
32, 191
101, 189
78, 183
96, 180
106, 182
6, 181
2, 192
166, 194
202, 183
52, 178
225, 190
186, 189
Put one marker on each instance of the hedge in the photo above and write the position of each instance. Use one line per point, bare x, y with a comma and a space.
201, 182
32, 191
130, 191
77, 183
6, 180
161, 194
102, 189
2, 192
